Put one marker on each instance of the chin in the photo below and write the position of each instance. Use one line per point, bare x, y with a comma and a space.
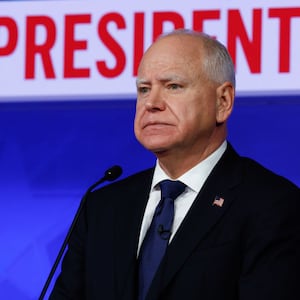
157, 149
156, 143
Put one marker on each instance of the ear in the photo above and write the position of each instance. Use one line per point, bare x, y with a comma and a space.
225, 100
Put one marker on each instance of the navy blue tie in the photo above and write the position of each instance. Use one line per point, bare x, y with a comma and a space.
157, 237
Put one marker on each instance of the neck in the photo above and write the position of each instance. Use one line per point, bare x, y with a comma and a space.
176, 164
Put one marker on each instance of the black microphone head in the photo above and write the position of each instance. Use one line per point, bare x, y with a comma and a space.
113, 173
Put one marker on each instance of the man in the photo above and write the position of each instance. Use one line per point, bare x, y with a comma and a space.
235, 233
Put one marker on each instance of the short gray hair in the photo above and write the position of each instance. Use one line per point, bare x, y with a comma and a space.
218, 65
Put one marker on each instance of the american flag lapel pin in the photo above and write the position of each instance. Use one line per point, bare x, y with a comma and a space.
218, 201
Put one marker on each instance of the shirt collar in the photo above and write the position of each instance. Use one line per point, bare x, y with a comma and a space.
195, 177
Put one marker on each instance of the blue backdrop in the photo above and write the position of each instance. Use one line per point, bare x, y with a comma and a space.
50, 152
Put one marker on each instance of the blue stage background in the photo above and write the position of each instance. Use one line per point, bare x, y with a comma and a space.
50, 152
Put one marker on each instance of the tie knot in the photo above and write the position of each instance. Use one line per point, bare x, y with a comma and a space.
171, 189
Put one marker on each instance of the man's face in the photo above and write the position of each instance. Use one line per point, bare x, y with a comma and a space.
176, 104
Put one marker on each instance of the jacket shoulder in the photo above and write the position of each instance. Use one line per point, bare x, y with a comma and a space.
257, 174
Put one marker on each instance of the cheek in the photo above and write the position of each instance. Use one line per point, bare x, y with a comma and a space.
135, 124
188, 116
137, 121
139, 107
196, 119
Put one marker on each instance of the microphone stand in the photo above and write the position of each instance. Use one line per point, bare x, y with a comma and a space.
111, 174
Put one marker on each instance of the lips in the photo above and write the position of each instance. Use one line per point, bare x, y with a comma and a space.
155, 124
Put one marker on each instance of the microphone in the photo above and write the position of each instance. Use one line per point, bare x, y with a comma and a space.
110, 174
163, 233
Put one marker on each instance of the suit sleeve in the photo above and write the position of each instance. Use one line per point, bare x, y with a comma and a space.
271, 263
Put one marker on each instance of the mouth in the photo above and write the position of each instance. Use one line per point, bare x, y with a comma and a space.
156, 125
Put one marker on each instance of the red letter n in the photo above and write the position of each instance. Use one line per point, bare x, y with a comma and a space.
236, 30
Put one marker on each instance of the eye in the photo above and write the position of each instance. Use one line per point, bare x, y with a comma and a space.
173, 86
143, 89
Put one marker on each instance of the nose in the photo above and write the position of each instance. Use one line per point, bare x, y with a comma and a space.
155, 101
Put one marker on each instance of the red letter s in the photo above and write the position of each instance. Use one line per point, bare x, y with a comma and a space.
112, 45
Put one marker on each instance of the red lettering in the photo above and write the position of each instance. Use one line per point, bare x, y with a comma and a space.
199, 16
71, 45
112, 45
12, 29
284, 15
138, 45
32, 48
159, 18
236, 30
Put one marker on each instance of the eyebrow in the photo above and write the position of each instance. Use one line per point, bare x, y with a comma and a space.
165, 78
141, 81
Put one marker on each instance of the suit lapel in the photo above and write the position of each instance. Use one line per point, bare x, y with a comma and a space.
128, 218
202, 216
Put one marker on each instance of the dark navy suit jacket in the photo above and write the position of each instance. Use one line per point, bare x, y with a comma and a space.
247, 249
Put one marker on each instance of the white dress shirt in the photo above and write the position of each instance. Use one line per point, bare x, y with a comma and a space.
193, 179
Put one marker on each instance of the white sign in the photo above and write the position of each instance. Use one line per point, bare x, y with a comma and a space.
91, 49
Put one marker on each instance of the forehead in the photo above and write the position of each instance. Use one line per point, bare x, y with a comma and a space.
172, 54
